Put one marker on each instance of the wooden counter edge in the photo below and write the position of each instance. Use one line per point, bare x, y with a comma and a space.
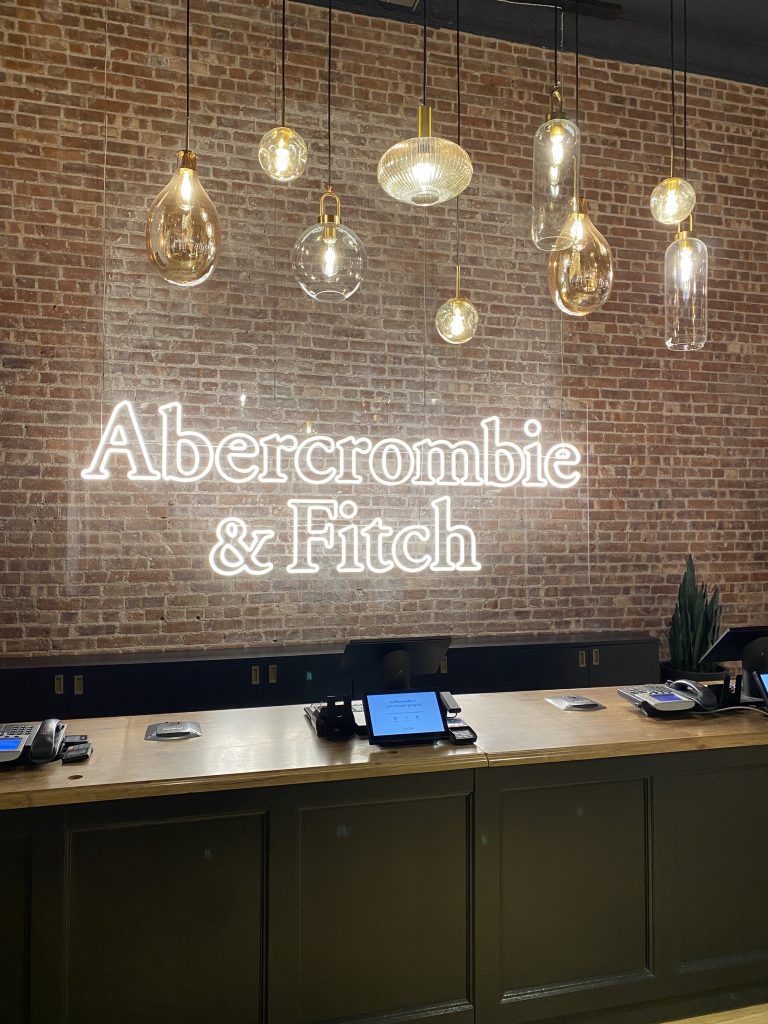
640, 748
63, 796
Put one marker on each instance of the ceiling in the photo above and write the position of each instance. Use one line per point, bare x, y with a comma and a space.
726, 38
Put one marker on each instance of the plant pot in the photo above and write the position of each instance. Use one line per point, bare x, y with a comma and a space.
667, 673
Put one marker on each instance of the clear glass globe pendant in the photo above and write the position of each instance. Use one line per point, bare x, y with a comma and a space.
556, 156
581, 268
672, 201
457, 319
425, 170
183, 232
329, 260
685, 293
282, 154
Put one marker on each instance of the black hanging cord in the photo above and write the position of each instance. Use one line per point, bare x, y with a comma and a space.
576, 51
424, 59
330, 45
186, 144
556, 9
672, 86
458, 119
282, 72
685, 89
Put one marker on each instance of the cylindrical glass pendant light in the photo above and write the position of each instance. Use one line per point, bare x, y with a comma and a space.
282, 151
581, 267
183, 233
673, 199
685, 293
556, 154
424, 170
328, 259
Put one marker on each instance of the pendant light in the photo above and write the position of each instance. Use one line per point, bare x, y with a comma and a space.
673, 199
425, 170
685, 292
282, 151
329, 260
685, 261
183, 232
580, 270
457, 319
556, 154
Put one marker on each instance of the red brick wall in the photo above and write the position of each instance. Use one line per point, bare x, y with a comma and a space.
674, 444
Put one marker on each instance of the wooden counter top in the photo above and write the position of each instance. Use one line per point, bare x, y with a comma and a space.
522, 728
253, 747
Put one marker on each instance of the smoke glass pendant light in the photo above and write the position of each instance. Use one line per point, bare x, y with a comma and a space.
673, 199
685, 293
581, 268
282, 151
556, 155
424, 170
457, 319
183, 232
328, 259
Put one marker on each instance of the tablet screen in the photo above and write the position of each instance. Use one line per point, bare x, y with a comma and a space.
411, 716
761, 678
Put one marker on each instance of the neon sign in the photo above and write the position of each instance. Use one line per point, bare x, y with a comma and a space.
331, 524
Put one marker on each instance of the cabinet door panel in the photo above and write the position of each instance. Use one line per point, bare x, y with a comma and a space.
166, 921
625, 664
14, 934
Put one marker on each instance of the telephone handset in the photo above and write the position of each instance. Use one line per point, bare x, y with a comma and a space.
31, 742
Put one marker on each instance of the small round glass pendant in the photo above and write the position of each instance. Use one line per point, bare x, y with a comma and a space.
283, 154
457, 321
183, 233
329, 262
424, 171
672, 201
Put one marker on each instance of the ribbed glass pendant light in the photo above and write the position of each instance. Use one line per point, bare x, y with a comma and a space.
673, 199
282, 151
183, 233
556, 155
329, 260
424, 170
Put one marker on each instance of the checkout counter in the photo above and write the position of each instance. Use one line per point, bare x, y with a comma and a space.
602, 867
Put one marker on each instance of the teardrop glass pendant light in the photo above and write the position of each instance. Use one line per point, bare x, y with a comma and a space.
581, 268
673, 199
426, 169
685, 293
183, 232
328, 259
282, 151
556, 155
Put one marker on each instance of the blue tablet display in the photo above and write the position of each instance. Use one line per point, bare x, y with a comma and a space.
409, 714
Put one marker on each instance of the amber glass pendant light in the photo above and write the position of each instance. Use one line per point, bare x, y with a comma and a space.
183, 232
580, 270
556, 155
329, 260
673, 199
424, 170
282, 151
457, 319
